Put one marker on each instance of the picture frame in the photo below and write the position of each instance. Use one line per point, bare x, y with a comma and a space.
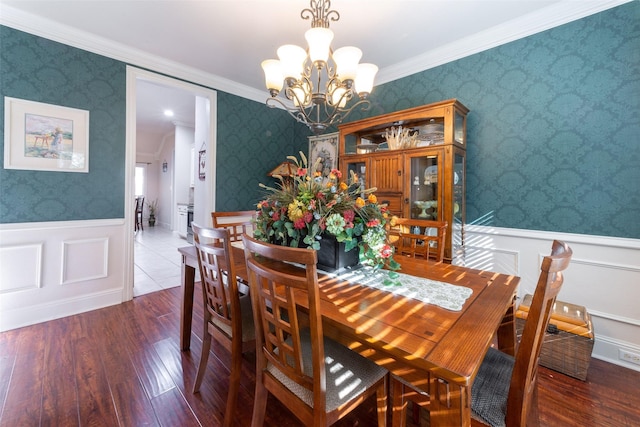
325, 147
45, 137
202, 156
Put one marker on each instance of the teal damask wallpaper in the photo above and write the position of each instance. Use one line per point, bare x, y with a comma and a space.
252, 140
41, 70
553, 132
554, 127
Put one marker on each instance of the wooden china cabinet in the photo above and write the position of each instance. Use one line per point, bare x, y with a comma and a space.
423, 178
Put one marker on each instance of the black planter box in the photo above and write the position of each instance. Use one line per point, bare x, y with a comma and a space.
332, 255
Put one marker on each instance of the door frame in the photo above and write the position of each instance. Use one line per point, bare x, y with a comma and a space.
133, 76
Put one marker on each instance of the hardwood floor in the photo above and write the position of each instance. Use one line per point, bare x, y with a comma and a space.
122, 366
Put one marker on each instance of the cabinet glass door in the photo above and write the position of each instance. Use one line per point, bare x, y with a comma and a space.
459, 184
425, 176
359, 167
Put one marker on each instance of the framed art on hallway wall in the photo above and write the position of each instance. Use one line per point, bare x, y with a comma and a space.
45, 137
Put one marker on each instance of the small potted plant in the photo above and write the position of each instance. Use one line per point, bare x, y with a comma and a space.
153, 206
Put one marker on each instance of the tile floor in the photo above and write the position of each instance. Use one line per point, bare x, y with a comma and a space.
156, 260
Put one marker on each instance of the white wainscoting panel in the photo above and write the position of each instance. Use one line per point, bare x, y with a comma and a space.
79, 266
604, 277
89, 257
21, 267
84, 260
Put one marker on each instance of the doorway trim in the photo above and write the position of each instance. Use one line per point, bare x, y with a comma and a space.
133, 76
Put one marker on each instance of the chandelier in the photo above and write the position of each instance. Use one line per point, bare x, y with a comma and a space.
319, 81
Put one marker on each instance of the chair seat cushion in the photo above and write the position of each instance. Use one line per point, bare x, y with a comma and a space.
491, 388
248, 327
348, 373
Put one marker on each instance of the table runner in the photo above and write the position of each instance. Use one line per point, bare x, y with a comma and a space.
445, 295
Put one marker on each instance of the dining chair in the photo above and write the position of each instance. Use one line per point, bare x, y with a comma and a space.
424, 239
228, 317
238, 222
316, 378
138, 213
505, 390
418, 238
505, 383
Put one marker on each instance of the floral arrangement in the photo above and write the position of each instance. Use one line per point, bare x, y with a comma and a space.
306, 206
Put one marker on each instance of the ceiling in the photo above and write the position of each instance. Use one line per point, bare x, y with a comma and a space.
221, 43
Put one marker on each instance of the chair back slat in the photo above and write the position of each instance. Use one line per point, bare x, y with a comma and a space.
216, 265
274, 277
422, 244
237, 222
522, 401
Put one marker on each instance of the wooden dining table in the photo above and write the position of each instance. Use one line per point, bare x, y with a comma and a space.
435, 349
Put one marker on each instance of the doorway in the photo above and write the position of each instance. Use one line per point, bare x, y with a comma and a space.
204, 132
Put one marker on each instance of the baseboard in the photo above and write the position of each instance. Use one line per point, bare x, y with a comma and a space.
25, 316
608, 349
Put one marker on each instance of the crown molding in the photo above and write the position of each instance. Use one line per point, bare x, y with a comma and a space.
70, 36
562, 13
533, 23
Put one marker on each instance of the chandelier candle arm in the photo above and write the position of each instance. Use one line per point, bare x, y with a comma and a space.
346, 59
337, 75
364, 79
319, 40
273, 76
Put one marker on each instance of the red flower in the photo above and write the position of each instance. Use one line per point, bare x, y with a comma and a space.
307, 217
374, 222
301, 172
337, 173
349, 215
276, 216
299, 224
386, 251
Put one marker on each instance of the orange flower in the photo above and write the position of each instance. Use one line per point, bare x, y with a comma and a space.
343, 186
360, 202
372, 198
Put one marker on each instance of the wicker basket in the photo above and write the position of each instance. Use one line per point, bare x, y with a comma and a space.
568, 342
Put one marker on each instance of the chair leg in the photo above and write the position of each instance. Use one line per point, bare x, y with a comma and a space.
204, 358
260, 403
382, 403
234, 384
399, 412
415, 409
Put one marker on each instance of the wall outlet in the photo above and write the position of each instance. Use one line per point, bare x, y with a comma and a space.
627, 356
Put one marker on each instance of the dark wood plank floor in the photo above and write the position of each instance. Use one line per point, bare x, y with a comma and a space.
122, 366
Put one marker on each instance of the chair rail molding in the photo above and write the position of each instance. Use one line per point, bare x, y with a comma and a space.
604, 277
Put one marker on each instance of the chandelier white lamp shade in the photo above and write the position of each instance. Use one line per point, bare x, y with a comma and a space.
318, 82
